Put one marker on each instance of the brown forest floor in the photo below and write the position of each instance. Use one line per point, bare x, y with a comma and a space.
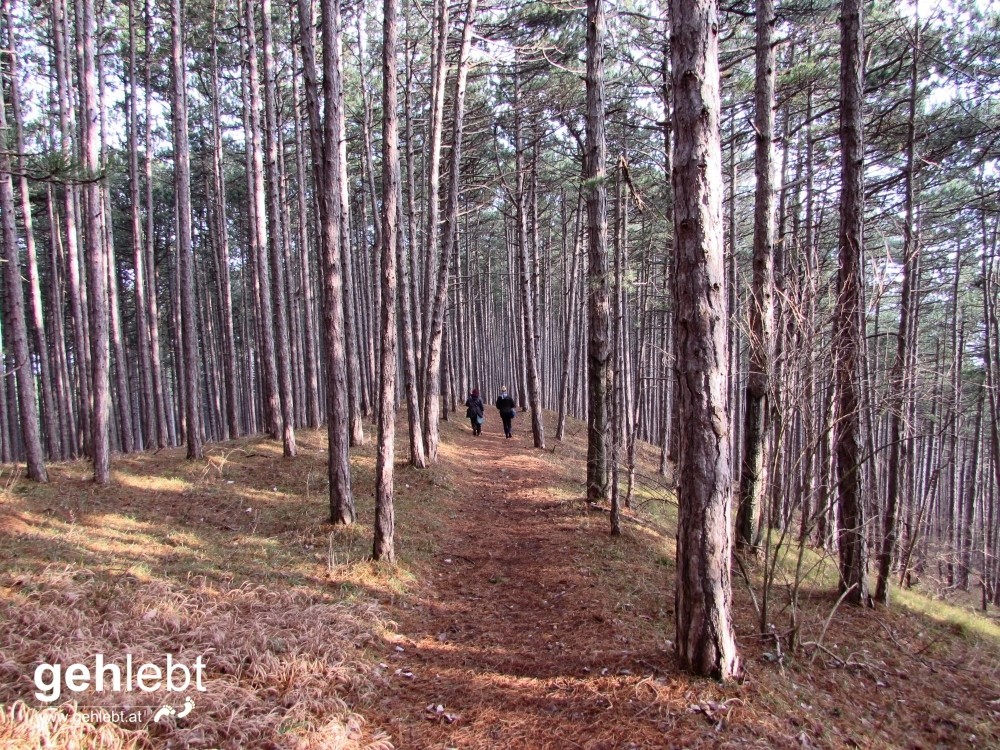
533, 628
513, 620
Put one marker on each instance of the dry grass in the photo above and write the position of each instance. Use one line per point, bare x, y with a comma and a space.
513, 619
210, 559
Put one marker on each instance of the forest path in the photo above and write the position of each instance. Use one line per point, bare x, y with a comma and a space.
510, 639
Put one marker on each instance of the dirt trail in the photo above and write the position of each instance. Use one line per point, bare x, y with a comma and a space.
499, 648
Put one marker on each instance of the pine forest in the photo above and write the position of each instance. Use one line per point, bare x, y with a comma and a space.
268, 266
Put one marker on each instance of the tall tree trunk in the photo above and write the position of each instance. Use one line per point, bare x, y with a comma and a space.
898, 378
434, 137
705, 640
147, 406
163, 429
222, 249
17, 327
81, 358
569, 338
283, 359
848, 331
357, 394
598, 288
754, 474
50, 417
97, 254
529, 297
67, 418
185, 250
406, 267
449, 238
312, 410
384, 545
337, 413
259, 241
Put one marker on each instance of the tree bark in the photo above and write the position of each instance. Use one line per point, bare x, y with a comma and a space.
449, 238
705, 640
185, 250
384, 545
598, 292
259, 240
17, 327
275, 249
529, 296
50, 417
97, 254
848, 332
899, 379
754, 471
81, 343
342, 509
163, 429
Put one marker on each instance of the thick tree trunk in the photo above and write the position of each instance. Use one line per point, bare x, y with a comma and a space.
598, 288
848, 332
705, 640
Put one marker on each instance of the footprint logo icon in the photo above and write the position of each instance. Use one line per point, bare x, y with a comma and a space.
188, 705
165, 712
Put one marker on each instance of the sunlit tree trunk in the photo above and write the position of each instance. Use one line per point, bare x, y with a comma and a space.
97, 255
384, 545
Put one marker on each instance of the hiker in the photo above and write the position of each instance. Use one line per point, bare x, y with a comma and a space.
474, 411
506, 406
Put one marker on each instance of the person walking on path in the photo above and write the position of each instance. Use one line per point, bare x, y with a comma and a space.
506, 406
474, 411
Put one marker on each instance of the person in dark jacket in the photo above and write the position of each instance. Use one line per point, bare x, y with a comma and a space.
506, 406
474, 411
